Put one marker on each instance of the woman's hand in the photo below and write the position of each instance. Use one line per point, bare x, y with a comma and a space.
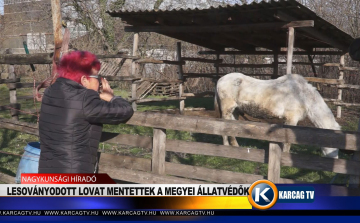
107, 93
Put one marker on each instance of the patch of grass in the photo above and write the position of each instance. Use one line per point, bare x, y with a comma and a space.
120, 92
12, 142
351, 125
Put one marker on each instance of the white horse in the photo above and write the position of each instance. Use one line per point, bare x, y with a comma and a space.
290, 97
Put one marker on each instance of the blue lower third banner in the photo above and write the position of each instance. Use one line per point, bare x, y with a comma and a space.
276, 200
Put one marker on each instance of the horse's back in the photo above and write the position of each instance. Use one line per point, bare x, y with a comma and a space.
273, 95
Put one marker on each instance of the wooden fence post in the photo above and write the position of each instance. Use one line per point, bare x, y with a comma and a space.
57, 28
341, 77
133, 95
134, 70
274, 166
276, 66
290, 50
215, 80
354, 181
12, 92
135, 53
180, 77
159, 151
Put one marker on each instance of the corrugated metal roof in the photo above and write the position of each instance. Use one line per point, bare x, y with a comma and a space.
252, 13
149, 5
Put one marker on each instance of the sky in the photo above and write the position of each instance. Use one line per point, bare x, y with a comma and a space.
1, 7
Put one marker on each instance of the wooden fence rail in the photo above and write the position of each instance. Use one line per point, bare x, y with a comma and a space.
132, 169
46, 58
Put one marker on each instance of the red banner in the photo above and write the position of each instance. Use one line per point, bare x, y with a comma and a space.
66, 178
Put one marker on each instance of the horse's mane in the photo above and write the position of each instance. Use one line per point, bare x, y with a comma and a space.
316, 108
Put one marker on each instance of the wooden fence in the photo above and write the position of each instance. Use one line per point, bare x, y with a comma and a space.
175, 88
339, 83
157, 170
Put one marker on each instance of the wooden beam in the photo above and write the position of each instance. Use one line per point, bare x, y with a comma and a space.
45, 58
143, 177
268, 52
209, 149
245, 65
290, 49
202, 60
161, 80
324, 80
313, 162
125, 162
2, 81
210, 175
21, 85
313, 32
19, 126
330, 99
122, 78
154, 61
213, 75
304, 63
117, 56
347, 104
260, 131
25, 59
349, 69
160, 99
348, 86
127, 139
220, 28
178, 170
57, 27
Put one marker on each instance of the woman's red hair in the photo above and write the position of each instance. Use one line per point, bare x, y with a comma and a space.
76, 64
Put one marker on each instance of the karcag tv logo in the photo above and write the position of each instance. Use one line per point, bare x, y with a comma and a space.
263, 194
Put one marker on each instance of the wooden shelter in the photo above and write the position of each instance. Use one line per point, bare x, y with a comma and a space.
269, 25
243, 27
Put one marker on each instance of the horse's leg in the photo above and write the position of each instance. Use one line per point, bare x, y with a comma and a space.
227, 108
330, 152
286, 146
234, 116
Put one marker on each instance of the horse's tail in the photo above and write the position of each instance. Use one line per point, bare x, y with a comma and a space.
217, 105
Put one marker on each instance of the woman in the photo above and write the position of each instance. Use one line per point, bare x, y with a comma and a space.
72, 113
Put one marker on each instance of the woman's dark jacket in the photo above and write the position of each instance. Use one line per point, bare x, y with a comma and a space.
70, 126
